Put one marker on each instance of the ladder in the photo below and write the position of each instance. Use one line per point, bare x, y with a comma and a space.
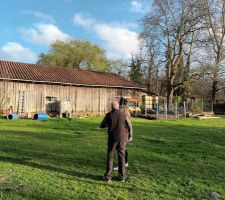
21, 99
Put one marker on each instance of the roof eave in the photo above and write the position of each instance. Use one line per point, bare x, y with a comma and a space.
73, 84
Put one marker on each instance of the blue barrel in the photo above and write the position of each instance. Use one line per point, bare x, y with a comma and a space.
41, 116
12, 116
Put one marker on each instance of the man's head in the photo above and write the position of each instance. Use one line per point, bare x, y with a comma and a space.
115, 105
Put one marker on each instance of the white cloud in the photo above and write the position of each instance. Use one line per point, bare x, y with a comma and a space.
119, 42
16, 52
117, 39
43, 17
43, 34
83, 20
136, 6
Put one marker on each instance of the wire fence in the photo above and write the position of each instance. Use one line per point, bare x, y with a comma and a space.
159, 108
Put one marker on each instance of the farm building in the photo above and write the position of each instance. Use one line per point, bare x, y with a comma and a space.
30, 88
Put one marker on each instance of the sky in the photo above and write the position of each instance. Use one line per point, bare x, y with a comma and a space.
28, 27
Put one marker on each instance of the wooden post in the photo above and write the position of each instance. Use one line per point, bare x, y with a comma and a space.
212, 108
145, 106
185, 110
157, 109
135, 109
166, 108
202, 106
176, 108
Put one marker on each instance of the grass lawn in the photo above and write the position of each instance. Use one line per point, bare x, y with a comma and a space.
65, 159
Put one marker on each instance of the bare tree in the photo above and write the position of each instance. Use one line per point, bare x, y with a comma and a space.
214, 16
173, 24
151, 61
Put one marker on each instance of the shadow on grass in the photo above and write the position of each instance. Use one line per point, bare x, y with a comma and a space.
71, 175
17, 148
49, 168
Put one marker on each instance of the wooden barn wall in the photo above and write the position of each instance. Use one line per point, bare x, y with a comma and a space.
83, 99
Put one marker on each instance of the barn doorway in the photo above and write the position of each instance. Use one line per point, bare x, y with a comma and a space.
51, 106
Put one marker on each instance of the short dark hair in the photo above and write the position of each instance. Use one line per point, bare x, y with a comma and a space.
123, 101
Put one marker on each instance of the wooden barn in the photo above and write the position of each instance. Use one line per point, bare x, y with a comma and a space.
30, 88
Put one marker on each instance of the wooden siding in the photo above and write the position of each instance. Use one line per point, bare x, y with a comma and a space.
83, 99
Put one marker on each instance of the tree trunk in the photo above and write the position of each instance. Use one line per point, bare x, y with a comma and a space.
214, 90
215, 83
149, 84
170, 99
170, 91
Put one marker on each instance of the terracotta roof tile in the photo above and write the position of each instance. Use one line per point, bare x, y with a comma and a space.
43, 73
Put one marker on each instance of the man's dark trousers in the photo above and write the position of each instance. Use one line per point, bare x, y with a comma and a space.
121, 148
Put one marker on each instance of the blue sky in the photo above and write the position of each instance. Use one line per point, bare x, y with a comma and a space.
28, 27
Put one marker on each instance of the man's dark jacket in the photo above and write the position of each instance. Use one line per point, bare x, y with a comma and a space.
117, 126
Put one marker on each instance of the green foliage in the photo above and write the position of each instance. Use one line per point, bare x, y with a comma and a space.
135, 71
75, 54
65, 159
177, 99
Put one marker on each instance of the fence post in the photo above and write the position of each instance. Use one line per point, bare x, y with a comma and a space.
135, 109
176, 108
202, 106
185, 110
157, 109
145, 107
212, 107
166, 109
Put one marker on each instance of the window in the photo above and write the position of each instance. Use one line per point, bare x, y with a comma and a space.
48, 98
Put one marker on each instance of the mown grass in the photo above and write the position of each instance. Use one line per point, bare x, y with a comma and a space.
65, 159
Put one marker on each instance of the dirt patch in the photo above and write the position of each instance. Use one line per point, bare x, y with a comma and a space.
3, 179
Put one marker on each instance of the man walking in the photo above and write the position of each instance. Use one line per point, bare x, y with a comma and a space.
117, 139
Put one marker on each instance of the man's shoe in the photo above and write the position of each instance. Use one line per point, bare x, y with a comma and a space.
106, 179
122, 180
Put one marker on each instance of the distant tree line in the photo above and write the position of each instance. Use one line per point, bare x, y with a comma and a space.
182, 48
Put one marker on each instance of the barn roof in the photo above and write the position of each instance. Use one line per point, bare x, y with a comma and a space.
17, 71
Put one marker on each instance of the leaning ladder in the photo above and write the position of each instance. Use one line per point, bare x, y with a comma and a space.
21, 99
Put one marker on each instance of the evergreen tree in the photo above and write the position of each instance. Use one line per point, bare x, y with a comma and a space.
135, 71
